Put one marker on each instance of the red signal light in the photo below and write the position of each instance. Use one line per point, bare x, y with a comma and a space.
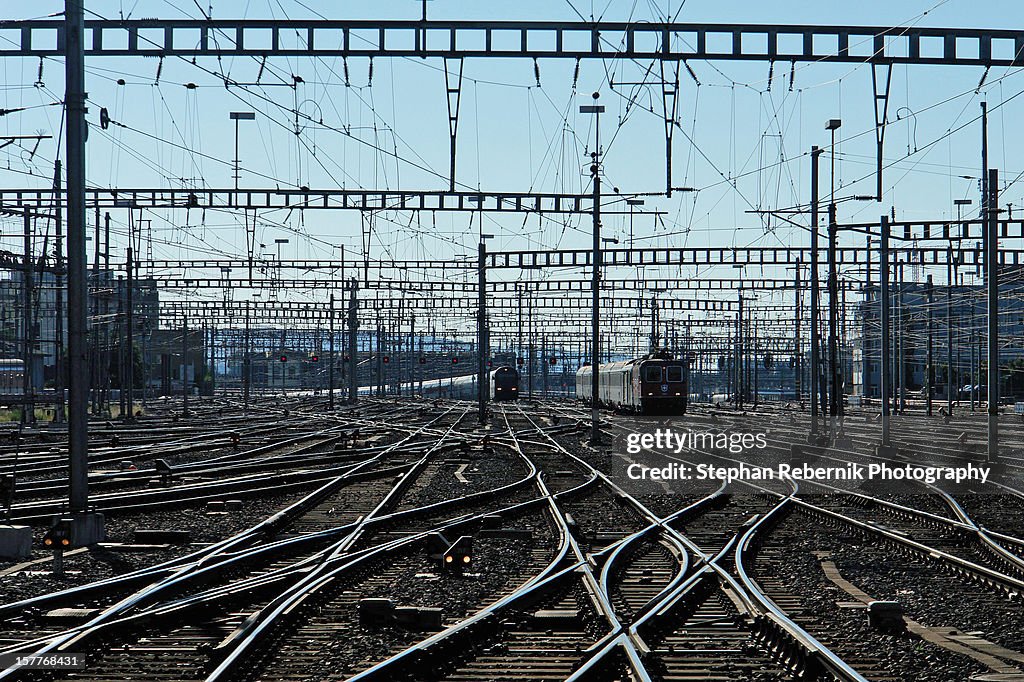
423, 361
386, 359
554, 361
455, 361
314, 358
284, 358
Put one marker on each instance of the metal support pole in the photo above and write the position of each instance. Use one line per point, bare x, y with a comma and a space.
797, 364
95, 354
949, 331
886, 350
120, 345
105, 399
246, 362
353, 329
815, 372
545, 363
58, 354
28, 405
595, 284
992, 289
184, 367
78, 362
330, 356
756, 359
901, 339
835, 400
929, 369
213, 362
482, 384
129, 416
740, 388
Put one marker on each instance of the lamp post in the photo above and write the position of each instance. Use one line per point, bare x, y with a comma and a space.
280, 268
595, 281
237, 116
632, 204
950, 281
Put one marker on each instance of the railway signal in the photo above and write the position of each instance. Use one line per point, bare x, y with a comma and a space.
459, 555
386, 359
284, 358
58, 538
455, 361
423, 360
314, 358
554, 361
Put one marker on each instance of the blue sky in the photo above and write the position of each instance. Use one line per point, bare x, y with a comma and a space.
744, 147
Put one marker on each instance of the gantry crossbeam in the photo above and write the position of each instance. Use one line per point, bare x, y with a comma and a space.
343, 199
237, 310
523, 287
524, 39
964, 254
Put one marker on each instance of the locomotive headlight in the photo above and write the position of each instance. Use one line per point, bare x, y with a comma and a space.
448, 559
465, 559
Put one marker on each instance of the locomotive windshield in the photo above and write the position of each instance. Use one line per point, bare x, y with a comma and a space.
674, 373
652, 373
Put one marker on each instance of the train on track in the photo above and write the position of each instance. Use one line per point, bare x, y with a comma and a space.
12, 377
653, 384
503, 385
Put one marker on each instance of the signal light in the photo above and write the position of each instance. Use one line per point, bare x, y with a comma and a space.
345, 358
386, 359
284, 358
520, 362
554, 361
314, 358
423, 361
59, 536
455, 361
489, 363
459, 555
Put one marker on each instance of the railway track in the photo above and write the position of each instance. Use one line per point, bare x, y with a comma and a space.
572, 577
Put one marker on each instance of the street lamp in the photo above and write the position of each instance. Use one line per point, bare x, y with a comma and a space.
832, 126
237, 116
951, 276
279, 242
595, 282
632, 203
835, 401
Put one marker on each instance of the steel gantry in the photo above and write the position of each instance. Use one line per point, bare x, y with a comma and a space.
527, 39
